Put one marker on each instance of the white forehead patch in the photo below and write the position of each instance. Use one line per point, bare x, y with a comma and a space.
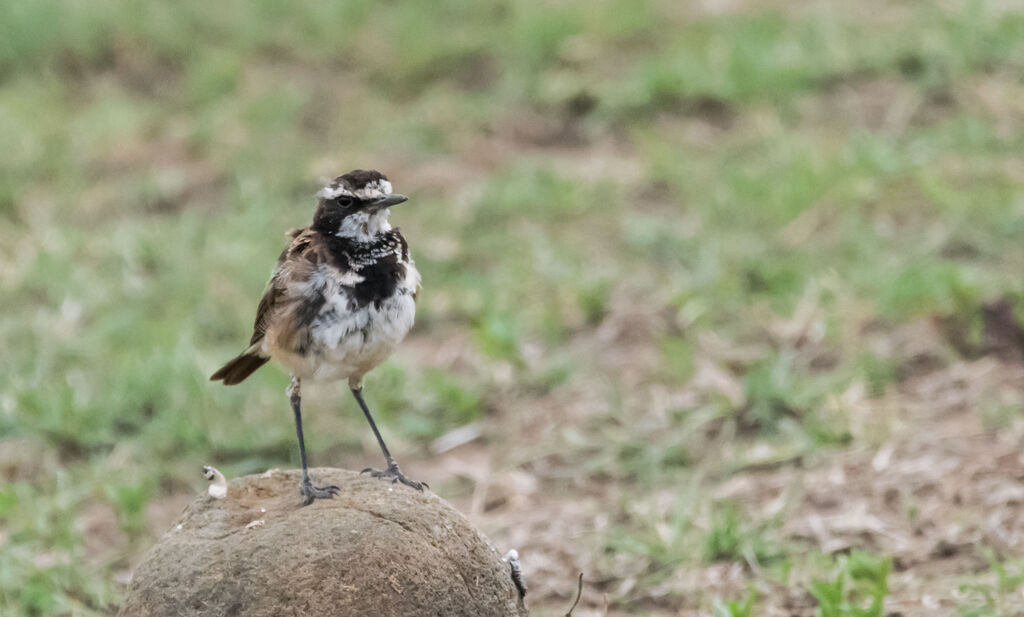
372, 190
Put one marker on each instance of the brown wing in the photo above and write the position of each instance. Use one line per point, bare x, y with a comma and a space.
243, 365
265, 310
275, 289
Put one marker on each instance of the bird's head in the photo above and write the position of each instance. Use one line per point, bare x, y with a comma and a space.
355, 205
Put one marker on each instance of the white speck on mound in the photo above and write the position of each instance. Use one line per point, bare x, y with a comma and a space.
219, 488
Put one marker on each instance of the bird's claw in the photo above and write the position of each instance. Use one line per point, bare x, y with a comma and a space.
396, 475
310, 492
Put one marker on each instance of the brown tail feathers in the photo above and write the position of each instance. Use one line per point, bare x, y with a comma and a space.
238, 369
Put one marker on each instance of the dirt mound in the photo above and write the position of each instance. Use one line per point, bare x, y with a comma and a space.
377, 549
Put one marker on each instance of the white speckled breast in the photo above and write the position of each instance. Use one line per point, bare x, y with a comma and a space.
346, 342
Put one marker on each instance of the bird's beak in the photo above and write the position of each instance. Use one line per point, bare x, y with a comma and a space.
391, 200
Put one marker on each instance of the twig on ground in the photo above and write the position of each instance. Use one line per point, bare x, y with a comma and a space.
579, 592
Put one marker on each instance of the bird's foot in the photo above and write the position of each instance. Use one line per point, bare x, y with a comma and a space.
310, 492
396, 475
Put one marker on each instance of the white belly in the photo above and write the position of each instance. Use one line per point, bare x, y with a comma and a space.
346, 344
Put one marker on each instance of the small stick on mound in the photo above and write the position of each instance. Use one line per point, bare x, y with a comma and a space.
512, 557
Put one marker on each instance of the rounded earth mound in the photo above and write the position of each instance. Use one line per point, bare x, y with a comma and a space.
377, 549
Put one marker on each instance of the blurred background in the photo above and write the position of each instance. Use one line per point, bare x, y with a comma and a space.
722, 299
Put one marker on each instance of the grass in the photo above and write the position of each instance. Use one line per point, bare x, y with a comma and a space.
858, 588
675, 230
735, 608
995, 591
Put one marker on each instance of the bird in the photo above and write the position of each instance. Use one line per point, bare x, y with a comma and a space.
340, 299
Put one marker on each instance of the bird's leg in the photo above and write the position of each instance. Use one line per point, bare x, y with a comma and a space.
309, 492
392, 470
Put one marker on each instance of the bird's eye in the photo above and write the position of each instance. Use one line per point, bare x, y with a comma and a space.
345, 201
